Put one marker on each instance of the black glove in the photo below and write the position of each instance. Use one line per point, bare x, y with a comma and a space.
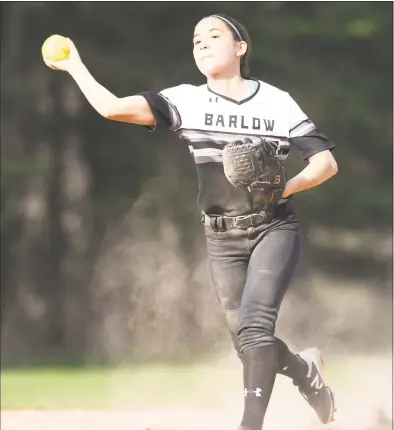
254, 166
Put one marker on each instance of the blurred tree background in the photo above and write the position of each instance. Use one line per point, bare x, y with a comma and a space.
102, 252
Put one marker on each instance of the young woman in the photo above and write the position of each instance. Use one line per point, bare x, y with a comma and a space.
252, 254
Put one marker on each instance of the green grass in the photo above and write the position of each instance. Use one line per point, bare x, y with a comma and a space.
155, 385
102, 388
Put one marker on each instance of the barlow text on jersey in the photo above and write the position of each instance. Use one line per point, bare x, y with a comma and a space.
239, 121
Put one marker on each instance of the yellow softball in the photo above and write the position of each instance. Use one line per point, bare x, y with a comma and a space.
55, 48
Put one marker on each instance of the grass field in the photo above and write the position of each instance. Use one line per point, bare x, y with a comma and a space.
98, 388
163, 395
102, 388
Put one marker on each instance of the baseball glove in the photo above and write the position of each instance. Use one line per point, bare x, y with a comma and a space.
254, 166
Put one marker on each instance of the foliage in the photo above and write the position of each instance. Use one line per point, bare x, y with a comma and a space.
69, 178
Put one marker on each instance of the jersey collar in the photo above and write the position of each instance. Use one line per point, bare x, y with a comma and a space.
241, 101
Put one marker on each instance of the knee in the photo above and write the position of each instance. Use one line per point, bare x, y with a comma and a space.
257, 333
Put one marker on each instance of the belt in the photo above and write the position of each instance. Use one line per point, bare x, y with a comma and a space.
223, 223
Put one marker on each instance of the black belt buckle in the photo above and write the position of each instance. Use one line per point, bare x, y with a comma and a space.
254, 220
261, 218
243, 221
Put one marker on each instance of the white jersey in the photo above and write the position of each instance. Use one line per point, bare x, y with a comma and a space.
207, 121
200, 115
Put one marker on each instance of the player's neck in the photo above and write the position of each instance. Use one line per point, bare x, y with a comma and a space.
234, 87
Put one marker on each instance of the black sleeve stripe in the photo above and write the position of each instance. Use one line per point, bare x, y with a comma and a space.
302, 129
312, 143
175, 115
162, 110
300, 123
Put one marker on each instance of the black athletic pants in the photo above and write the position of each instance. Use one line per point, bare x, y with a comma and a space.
250, 270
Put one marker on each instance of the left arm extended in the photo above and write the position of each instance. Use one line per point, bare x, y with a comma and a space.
322, 166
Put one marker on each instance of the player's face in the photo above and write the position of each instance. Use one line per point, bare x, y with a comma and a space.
214, 48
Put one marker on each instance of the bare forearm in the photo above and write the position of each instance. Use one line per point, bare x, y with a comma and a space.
99, 97
134, 109
319, 170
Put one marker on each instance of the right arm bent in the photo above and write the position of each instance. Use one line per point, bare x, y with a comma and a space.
133, 109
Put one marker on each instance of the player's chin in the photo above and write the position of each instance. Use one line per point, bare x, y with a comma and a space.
210, 70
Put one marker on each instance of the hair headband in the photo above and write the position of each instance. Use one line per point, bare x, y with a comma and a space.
233, 27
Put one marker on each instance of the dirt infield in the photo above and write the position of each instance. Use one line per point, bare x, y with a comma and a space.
366, 407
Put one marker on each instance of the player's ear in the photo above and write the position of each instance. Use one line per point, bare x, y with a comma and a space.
242, 48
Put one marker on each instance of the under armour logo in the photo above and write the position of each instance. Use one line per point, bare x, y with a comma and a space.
211, 99
257, 392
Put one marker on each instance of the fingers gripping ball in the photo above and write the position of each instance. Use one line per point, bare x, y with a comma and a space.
55, 48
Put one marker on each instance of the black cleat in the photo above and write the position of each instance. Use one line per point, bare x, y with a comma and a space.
313, 388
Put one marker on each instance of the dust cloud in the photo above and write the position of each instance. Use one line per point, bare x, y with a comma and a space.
153, 296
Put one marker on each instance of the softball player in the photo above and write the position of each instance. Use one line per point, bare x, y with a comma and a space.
253, 241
